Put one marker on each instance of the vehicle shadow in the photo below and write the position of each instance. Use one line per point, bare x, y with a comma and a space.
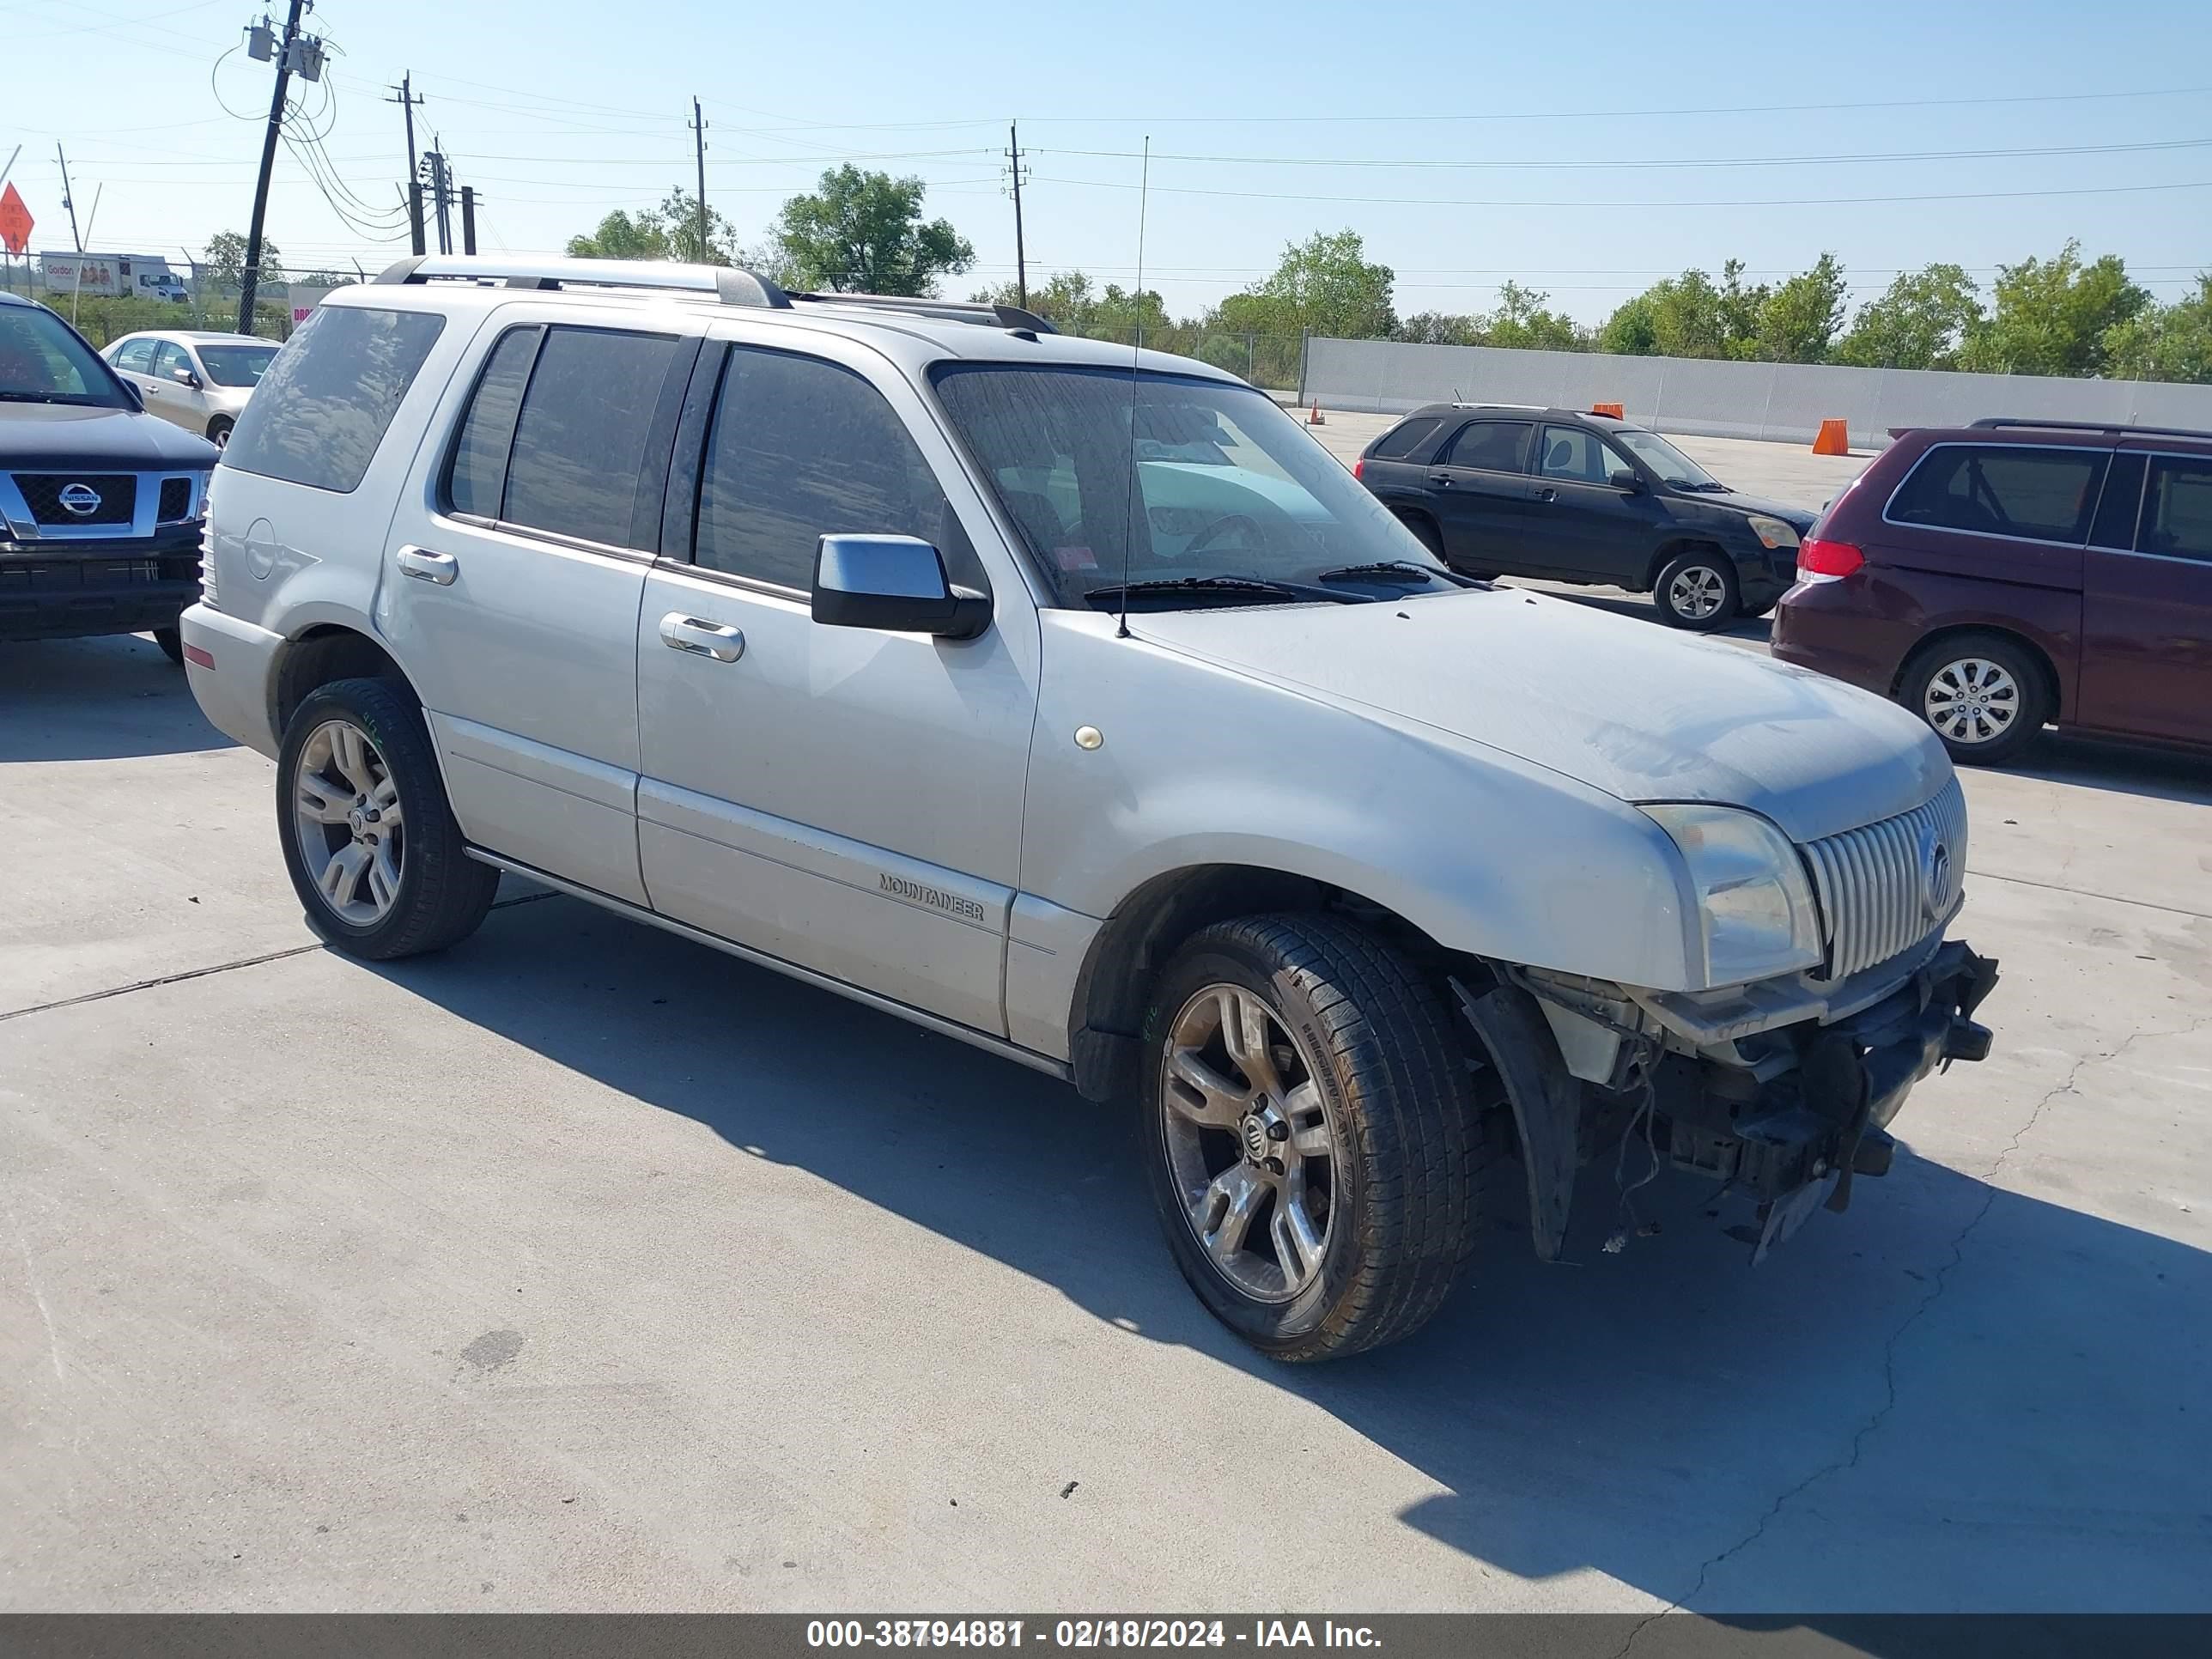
99, 699
2113, 763
2009, 1423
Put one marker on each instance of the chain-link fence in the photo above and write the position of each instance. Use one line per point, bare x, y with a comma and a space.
1273, 362
104, 318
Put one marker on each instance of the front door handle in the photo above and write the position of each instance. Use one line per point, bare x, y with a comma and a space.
1547, 494
704, 639
428, 567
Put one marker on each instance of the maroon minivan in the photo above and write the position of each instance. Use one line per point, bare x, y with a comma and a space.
1999, 577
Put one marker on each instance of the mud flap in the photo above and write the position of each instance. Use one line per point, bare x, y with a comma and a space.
1547, 1103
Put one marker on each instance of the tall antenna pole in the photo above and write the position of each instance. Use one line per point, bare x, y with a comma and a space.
69, 200
1021, 254
698, 135
250, 277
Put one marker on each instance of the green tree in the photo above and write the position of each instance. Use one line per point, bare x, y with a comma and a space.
1920, 321
1325, 285
678, 218
2166, 342
1800, 320
1632, 330
223, 260
324, 279
1066, 300
622, 235
1524, 321
1439, 328
2055, 316
864, 233
1680, 316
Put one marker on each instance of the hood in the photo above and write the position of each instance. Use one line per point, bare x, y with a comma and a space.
1799, 518
1625, 705
68, 438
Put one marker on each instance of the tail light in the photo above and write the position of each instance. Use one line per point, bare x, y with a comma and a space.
1821, 561
1359, 467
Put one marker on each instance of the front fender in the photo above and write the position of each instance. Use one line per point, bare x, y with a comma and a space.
1203, 765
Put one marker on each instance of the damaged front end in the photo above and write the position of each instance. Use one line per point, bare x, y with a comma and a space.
1781, 1092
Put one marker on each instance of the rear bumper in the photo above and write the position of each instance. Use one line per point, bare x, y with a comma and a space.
58, 590
1829, 627
230, 665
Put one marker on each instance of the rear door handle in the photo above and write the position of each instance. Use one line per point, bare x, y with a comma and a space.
1547, 494
1442, 480
428, 567
704, 639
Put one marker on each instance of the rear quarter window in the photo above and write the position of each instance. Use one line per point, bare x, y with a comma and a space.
1403, 439
1995, 490
322, 410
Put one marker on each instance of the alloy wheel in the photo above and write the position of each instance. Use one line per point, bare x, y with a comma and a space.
1696, 592
1249, 1141
1972, 701
346, 815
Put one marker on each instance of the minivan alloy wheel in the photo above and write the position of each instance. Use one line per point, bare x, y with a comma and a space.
346, 815
1972, 701
1250, 1142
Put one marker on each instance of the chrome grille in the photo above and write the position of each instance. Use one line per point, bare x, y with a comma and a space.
1879, 887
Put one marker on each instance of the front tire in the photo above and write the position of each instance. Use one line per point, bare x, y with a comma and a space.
1699, 591
1984, 696
1309, 1127
218, 432
172, 642
371, 842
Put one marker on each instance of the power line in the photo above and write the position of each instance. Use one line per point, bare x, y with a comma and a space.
1643, 163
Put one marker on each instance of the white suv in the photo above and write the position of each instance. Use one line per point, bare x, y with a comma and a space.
1075, 704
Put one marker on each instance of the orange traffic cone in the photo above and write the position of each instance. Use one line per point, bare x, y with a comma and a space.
1613, 409
1835, 439
1315, 418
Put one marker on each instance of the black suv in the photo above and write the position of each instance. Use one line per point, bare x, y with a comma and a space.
1501, 490
100, 503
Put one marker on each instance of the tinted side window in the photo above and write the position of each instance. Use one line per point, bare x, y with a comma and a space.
2116, 508
1573, 454
2177, 518
1493, 446
580, 440
137, 357
803, 449
325, 403
2046, 494
475, 478
1403, 439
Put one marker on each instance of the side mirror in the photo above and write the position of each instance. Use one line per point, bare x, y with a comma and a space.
184, 377
1623, 478
894, 584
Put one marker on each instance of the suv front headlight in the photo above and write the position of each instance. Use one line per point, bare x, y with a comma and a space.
1773, 534
1756, 917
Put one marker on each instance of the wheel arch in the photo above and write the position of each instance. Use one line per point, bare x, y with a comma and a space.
320, 655
1671, 548
1114, 987
1937, 638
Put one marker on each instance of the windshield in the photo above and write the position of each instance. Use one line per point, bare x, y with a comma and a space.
1227, 485
237, 365
43, 361
1672, 465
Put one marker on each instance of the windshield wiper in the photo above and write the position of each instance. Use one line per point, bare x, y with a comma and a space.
1397, 567
1244, 584
1703, 483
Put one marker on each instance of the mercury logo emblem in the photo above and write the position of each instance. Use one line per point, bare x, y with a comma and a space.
83, 500
1256, 1137
1937, 872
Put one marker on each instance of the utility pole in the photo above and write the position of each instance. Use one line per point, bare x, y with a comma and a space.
1021, 253
69, 201
699, 136
441, 193
469, 219
250, 277
409, 100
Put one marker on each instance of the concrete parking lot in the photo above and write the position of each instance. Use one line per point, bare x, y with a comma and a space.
583, 1267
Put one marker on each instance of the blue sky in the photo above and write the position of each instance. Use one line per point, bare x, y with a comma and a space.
1559, 123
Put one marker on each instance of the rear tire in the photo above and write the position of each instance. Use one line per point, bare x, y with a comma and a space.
1698, 591
1424, 531
1983, 694
369, 839
1318, 1184
172, 642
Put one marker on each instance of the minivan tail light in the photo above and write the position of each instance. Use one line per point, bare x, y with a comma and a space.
1821, 561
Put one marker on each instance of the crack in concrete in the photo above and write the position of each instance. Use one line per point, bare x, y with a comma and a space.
1881, 1413
202, 973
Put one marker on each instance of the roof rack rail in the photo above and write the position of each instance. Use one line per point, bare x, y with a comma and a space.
1998, 421
951, 311
727, 283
